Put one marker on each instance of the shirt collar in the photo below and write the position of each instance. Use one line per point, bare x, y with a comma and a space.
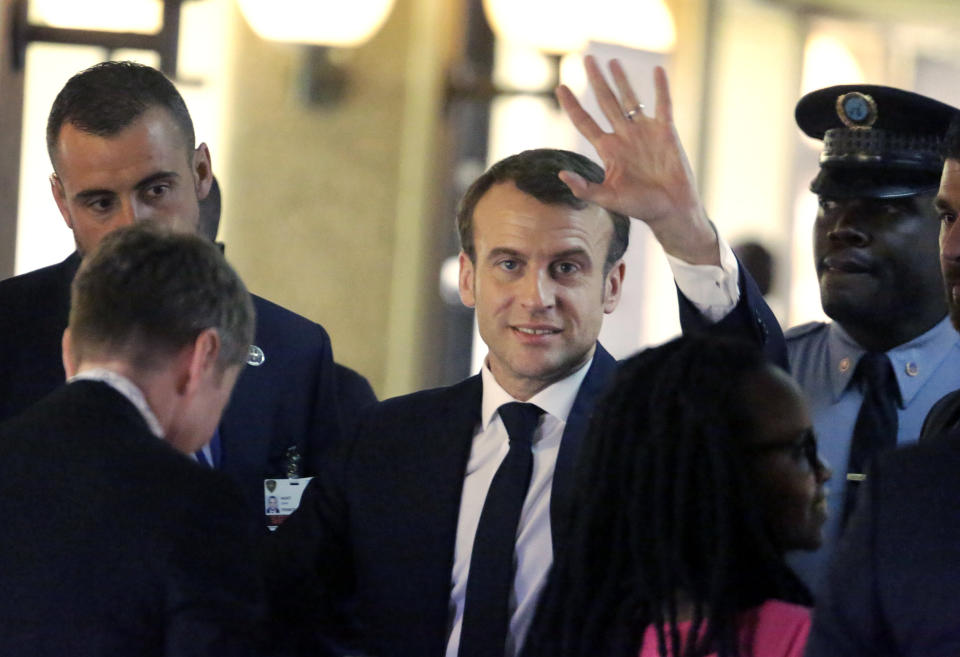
556, 399
125, 387
913, 362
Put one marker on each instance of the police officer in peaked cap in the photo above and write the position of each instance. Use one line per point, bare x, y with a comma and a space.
872, 374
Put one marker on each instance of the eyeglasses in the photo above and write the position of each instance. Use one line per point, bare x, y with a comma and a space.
803, 447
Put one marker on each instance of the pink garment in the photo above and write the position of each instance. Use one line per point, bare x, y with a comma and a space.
779, 629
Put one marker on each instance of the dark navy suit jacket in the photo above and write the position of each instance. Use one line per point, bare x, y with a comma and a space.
121, 545
750, 320
379, 527
892, 585
290, 402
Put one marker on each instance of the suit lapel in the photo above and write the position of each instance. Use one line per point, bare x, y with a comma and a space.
441, 460
598, 377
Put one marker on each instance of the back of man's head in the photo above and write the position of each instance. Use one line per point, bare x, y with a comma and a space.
104, 99
146, 292
534, 172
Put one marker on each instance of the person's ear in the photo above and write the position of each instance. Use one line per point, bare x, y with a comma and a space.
202, 171
60, 197
613, 285
467, 281
200, 362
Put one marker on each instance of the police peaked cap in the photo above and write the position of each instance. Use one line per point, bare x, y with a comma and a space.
878, 142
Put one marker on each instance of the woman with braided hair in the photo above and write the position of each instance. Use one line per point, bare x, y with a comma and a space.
700, 472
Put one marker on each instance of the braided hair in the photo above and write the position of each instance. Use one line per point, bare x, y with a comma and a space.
667, 513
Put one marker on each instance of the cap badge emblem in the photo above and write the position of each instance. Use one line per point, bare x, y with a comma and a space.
857, 110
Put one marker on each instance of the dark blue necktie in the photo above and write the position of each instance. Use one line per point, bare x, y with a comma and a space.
876, 427
486, 614
214, 452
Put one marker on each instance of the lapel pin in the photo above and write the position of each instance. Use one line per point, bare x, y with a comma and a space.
255, 356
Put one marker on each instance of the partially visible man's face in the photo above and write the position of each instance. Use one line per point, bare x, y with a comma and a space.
948, 207
538, 286
144, 172
876, 260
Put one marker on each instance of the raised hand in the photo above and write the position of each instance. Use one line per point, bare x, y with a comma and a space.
647, 173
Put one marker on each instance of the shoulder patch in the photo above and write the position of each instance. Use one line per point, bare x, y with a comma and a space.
804, 330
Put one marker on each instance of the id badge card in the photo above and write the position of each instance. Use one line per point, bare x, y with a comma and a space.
281, 497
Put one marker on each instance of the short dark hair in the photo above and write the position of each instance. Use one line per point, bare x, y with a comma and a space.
104, 99
666, 504
534, 172
951, 142
148, 291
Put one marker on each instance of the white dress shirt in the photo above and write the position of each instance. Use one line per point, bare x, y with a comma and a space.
714, 291
534, 546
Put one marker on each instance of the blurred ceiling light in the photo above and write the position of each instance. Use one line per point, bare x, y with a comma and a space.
109, 15
547, 25
316, 22
572, 73
519, 67
562, 26
639, 24
827, 61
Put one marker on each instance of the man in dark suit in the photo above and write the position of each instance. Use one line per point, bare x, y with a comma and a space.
892, 586
129, 546
122, 146
400, 527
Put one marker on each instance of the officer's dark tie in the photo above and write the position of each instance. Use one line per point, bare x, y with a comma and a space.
876, 427
486, 617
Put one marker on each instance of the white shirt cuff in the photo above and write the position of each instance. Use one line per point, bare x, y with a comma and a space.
714, 291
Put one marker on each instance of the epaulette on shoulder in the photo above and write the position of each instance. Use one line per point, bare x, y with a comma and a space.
804, 330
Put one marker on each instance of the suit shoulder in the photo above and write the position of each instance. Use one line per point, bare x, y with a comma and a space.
805, 330
276, 321
277, 314
34, 282
426, 402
